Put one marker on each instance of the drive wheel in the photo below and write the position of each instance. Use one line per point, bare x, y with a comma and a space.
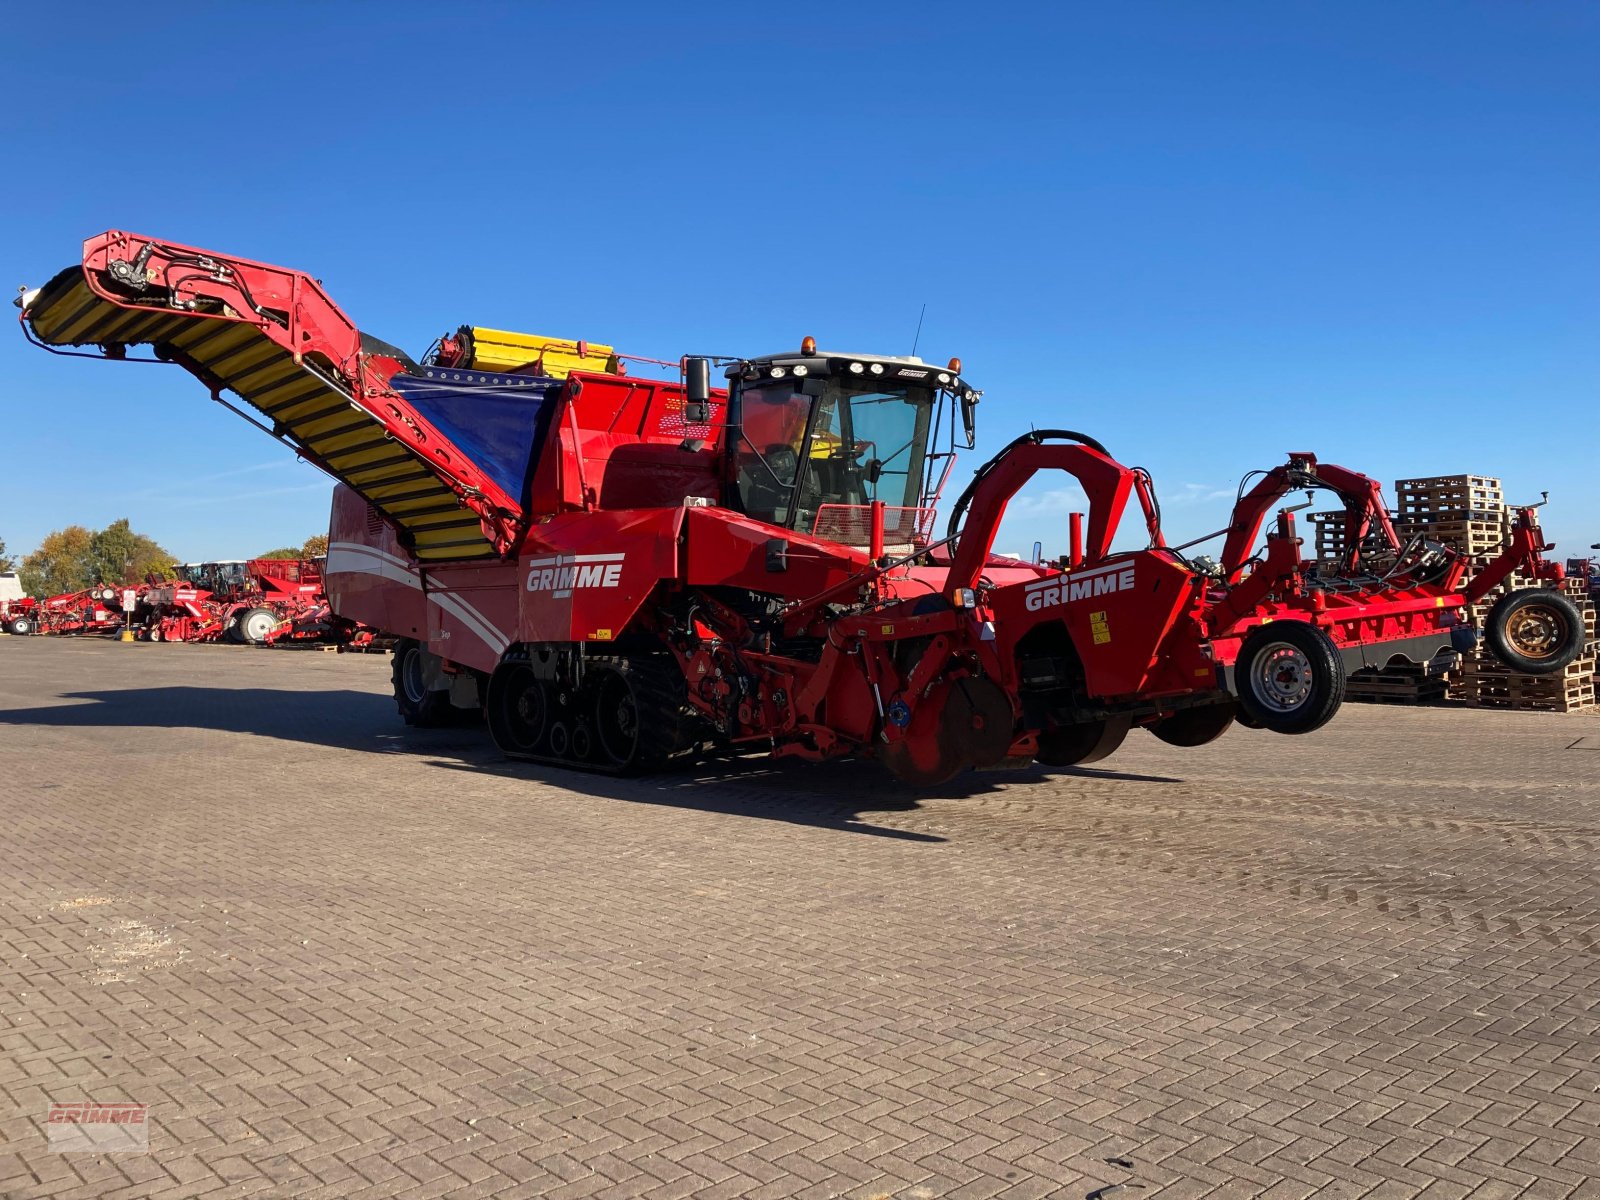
1195, 726
254, 624
1084, 742
636, 706
1289, 677
1535, 631
409, 672
518, 709
20, 626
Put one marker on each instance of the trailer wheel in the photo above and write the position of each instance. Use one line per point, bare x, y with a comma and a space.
518, 709
637, 712
254, 624
1195, 726
1535, 630
1289, 677
1083, 742
418, 706
20, 626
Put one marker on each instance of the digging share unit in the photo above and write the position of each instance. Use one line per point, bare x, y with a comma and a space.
620, 571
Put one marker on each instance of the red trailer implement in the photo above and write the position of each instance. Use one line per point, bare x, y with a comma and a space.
92, 610
257, 602
622, 571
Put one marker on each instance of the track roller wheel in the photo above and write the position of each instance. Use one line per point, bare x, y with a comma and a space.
418, 706
1289, 677
1535, 630
637, 713
1082, 743
1195, 726
518, 710
560, 740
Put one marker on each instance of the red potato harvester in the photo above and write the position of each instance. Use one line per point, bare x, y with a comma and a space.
622, 571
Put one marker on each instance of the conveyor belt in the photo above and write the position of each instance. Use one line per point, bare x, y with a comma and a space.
307, 406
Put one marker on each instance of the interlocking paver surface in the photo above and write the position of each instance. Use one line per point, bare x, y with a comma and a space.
339, 958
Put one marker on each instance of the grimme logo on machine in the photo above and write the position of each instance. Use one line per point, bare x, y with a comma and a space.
561, 574
1080, 586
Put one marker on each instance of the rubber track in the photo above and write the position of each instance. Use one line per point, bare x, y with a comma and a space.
660, 689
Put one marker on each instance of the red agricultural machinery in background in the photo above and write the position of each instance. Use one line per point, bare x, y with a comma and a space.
98, 609
619, 571
254, 602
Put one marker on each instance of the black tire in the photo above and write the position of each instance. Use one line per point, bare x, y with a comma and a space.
1289, 677
518, 707
636, 713
417, 705
1535, 630
253, 625
20, 626
1195, 726
230, 632
1083, 743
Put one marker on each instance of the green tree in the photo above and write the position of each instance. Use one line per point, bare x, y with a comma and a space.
60, 564
7, 563
315, 547
119, 555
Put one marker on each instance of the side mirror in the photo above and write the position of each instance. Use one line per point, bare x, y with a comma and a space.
697, 390
969, 420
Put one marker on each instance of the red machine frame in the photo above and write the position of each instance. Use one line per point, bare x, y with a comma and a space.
622, 601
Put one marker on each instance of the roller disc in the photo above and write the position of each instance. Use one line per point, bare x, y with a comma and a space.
1085, 742
1195, 726
925, 756
977, 721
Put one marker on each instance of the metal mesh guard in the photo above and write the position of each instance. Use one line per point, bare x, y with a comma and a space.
851, 525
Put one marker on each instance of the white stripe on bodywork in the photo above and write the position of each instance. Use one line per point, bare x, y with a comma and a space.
354, 558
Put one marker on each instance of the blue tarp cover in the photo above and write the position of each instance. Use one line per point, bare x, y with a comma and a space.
497, 420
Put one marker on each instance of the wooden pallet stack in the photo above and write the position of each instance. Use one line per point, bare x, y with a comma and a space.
1403, 682
1465, 511
1329, 531
1470, 513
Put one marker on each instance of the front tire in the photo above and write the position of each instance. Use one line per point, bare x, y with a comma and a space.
1535, 631
1289, 677
20, 626
409, 673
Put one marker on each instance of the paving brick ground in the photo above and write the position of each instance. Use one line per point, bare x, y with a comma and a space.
340, 959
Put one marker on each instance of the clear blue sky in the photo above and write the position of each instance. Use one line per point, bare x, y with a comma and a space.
1205, 233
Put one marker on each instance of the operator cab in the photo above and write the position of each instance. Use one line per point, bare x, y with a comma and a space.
816, 437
